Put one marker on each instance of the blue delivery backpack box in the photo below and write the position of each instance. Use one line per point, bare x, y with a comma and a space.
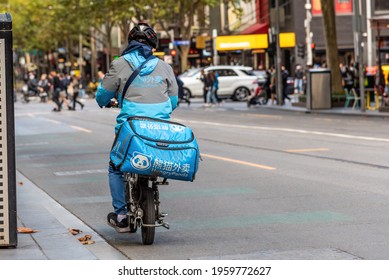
156, 147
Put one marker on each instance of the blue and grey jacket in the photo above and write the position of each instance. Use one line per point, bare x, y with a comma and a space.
153, 93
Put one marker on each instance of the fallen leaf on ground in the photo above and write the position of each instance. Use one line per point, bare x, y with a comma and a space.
74, 231
20, 183
85, 238
26, 230
88, 242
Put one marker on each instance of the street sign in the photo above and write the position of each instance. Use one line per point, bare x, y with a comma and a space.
182, 43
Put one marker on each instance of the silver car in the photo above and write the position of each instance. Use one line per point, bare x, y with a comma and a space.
235, 82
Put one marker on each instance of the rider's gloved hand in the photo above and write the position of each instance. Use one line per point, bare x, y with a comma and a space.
111, 104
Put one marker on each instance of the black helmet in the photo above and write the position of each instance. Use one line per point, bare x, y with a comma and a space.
144, 34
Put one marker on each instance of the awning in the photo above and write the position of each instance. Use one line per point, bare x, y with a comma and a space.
257, 28
380, 22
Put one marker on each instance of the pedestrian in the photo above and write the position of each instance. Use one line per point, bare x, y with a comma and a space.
43, 88
347, 77
216, 85
56, 84
82, 87
63, 95
298, 79
273, 85
212, 85
181, 92
75, 86
203, 78
153, 93
284, 77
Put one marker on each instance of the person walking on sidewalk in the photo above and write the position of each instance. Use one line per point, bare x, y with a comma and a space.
284, 76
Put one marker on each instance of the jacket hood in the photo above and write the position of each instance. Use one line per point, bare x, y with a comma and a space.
136, 53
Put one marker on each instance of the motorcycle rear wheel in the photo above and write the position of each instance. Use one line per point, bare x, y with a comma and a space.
148, 207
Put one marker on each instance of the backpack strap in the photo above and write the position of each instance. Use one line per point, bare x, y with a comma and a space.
132, 78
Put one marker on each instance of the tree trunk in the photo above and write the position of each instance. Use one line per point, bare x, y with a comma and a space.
328, 11
184, 57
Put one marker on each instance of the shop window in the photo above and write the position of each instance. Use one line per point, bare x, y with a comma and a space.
381, 5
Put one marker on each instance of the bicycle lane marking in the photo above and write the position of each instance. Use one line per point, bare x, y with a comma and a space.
239, 162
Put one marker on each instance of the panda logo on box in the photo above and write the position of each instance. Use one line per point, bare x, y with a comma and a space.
140, 161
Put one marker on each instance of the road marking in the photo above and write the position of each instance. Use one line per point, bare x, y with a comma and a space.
308, 150
32, 144
81, 129
338, 135
263, 116
80, 172
53, 121
238, 162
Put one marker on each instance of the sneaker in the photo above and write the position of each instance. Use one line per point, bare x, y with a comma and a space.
119, 226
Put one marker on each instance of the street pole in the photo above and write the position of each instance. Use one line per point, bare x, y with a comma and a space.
369, 35
80, 60
214, 36
278, 56
308, 37
359, 51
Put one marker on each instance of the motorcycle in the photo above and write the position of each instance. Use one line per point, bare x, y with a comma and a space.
260, 97
142, 198
142, 201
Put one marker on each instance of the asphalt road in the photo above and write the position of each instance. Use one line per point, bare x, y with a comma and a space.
272, 184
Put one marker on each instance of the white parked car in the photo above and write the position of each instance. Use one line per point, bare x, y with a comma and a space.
235, 82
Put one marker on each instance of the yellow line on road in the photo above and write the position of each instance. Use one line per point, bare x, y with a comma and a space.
238, 162
81, 129
308, 150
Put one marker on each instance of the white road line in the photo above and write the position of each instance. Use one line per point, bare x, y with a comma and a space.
338, 135
81, 172
31, 144
53, 121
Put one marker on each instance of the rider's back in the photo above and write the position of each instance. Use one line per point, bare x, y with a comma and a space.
153, 93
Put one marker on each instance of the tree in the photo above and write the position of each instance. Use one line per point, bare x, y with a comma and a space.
328, 10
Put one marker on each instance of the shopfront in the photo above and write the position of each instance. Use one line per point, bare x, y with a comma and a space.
242, 49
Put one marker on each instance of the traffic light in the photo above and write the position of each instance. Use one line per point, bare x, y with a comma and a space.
173, 52
301, 50
313, 47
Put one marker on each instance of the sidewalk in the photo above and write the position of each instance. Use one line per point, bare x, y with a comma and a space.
334, 111
53, 241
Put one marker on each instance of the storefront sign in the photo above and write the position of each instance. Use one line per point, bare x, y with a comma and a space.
241, 42
287, 40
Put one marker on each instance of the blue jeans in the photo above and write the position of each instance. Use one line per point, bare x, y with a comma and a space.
118, 193
211, 97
